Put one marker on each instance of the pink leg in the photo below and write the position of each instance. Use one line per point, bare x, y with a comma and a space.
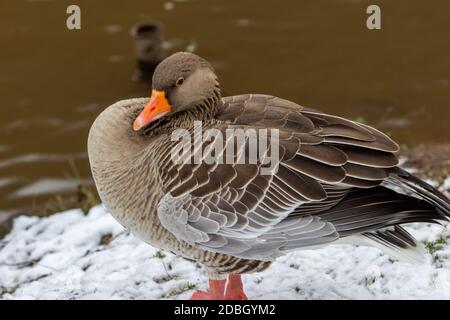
235, 288
215, 292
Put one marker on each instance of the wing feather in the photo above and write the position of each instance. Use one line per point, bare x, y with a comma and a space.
310, 200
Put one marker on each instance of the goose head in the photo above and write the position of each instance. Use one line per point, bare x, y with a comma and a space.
182, 83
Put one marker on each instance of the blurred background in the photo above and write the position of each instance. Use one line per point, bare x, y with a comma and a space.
54, 81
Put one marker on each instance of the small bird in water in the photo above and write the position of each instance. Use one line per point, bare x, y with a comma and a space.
149, 46
336, 180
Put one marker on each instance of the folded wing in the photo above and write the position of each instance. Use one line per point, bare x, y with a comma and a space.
234, 208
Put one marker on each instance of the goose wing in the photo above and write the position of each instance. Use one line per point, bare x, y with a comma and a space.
239, 210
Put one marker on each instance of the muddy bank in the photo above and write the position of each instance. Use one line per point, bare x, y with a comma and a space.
430, 162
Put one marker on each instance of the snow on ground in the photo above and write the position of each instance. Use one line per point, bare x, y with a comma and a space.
75, 256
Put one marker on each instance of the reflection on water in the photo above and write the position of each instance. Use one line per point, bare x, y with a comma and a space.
45, 159
54, 82
48, 186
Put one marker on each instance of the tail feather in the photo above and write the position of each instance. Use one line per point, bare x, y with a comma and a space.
372, 216
394, 241
404, 182
367, 210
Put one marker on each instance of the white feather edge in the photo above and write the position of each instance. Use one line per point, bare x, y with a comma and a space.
410, 254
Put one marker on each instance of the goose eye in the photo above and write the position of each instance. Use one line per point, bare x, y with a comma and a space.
179, 81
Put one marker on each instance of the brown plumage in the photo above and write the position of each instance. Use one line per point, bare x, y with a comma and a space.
336, 179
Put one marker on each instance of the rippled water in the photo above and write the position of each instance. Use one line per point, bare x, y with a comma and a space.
53, 82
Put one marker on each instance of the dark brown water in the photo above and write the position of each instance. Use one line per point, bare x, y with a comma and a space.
53, 82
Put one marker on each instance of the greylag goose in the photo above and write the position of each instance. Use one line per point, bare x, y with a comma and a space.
334, 180
148, 42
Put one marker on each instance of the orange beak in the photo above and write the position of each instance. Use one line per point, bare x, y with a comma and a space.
157, 107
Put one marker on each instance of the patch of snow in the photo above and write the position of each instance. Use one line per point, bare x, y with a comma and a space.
402, 160
75, 256
446, 184
432, 182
